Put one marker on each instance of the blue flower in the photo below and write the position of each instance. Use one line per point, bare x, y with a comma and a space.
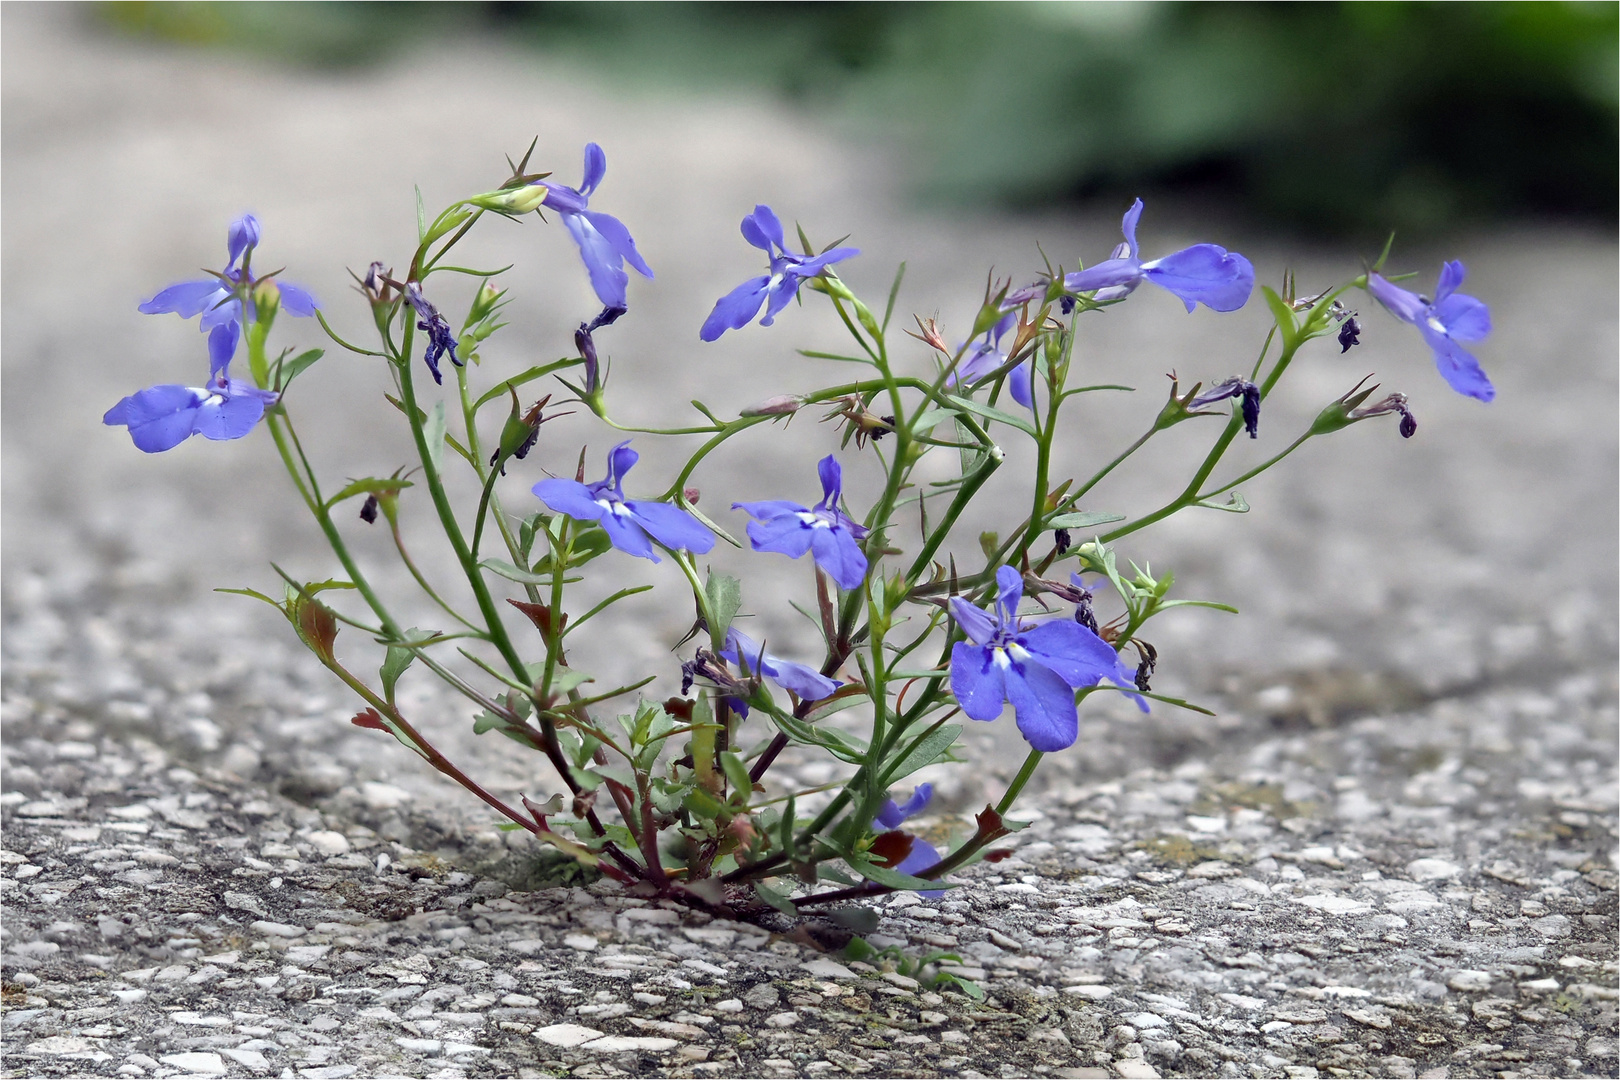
215, 298
752, 659
629, 524
440, 339
1203, 273
1037, 668
162, 417
737, 308
826, 531
1451, 318
922, 854
604, 242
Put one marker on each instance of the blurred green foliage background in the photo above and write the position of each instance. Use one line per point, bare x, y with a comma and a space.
1345, 118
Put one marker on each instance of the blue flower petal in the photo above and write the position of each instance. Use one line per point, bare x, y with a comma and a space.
1106, 274
186, 299
779, 294
976, 681
672, 526
1464, 317
1044, 705
1073, 651
243, 234
626, 533
297, 300
975, 623
888, 816
1127, 226
1452, 274
222, 347
763, 229
602, 261
595, 167
1406, 306
159, 418
1204, 274
736, 309
832, 481
232, 417
570, 497
923, 856
613, 230
920, 795
1018, 385
839, 555
783, 534
1458, 366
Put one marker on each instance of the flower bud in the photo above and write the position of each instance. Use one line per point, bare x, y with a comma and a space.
519, 200
266, 302
1349, 334
785, 405
484, 304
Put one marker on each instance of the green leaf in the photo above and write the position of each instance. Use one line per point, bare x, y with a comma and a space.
859, 949
776, 899
1083, 519
433, 433
398, 659
1168, 604
291, 369
894, 292
566, 679
892, 878
368, 486
969, 405
1234, 504
1287, 325
929, 749
737, 773
421, 217
254, 593
512, 573
487, 720
862, 920
931, 419
724, 594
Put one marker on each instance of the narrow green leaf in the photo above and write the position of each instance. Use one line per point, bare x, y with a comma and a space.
433, 432
932, 419
724, 594
1083, 519
366, 487
927, 750
1234, 504
512, 573
969, 405
737, 773
892, 878
291, 369
894, 291
421, 217
1287, 325
776, 899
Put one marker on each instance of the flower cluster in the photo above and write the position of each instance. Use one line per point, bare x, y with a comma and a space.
162, 417
913, 627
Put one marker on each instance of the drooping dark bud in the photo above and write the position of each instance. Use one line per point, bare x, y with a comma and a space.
440, 338
1251, 409
1084, 615
1394, 403
1349, 334
1149, 661
878, 433
1231, 388
1066, 305
368, 510
587, 351
691, 494
1061, 538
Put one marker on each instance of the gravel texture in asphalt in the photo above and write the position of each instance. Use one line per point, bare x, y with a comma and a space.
1391, 853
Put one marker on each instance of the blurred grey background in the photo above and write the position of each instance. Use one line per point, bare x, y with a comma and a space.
1373, 572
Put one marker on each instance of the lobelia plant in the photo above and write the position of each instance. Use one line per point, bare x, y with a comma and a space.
916, 632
